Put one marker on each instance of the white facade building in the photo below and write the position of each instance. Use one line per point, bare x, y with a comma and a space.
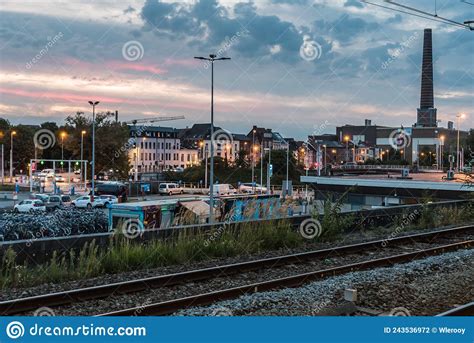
157, 149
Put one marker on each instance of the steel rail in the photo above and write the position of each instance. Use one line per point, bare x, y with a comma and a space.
171, 306
21, 305
463, 310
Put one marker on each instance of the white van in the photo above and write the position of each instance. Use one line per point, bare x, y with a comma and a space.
170, 188
223, 189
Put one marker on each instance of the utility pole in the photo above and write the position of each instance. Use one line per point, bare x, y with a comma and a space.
93, 104
13, 133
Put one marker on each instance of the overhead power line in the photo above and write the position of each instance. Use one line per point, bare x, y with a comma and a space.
421, 14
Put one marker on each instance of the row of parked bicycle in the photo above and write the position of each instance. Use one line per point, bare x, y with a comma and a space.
49, 202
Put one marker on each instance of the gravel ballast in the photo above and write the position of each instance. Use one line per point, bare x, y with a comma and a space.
118, 302
422, 288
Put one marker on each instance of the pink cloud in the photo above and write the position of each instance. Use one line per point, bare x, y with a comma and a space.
181, 62
135, 66
70, 97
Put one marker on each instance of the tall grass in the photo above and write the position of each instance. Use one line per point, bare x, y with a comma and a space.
124, 255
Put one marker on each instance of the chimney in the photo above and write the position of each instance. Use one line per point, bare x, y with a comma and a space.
368, 122
116, 116
426, 114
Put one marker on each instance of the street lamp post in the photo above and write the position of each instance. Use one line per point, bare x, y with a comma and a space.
287, 163
83, 132
13, 133
3, 157
261, 168
212, 58
458, 154
63, 134
441, 152
93, 104
325, 154
268, 169
253, 157
346, 138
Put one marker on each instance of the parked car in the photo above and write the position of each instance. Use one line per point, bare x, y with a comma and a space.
85, 202
251, 188
66, 200
59, 178
39, 196
77, 172
223, 189
108, 200
170, 188
47, 173
54, 202
29, 206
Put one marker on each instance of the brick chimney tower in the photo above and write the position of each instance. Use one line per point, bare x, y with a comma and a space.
426, 114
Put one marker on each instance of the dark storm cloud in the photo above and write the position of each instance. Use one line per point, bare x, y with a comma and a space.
353, 3
209, 24
291, 2
346, 28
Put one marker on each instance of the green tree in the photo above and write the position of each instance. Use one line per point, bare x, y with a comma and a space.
111, 138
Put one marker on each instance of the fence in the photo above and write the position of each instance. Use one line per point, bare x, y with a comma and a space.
40, 250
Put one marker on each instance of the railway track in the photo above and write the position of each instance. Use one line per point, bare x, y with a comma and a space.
23, 305
169, 307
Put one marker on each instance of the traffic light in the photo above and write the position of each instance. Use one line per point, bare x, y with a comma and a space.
270, 170
42, 162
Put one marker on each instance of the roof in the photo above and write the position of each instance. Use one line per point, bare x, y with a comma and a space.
140, 204
197, 131
198, 207
240, 137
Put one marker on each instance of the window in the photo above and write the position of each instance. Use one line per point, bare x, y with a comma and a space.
154, 145
141, 156
182, 157
141, 145
154, 156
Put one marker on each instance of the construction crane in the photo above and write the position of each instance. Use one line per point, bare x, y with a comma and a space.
152, 120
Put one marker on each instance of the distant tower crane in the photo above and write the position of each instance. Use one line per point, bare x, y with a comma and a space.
152, 120
134, 122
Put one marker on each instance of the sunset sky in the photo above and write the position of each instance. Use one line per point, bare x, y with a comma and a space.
57, 55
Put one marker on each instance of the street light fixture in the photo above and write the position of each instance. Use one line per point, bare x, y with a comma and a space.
93, 104
13, 133
212, 58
